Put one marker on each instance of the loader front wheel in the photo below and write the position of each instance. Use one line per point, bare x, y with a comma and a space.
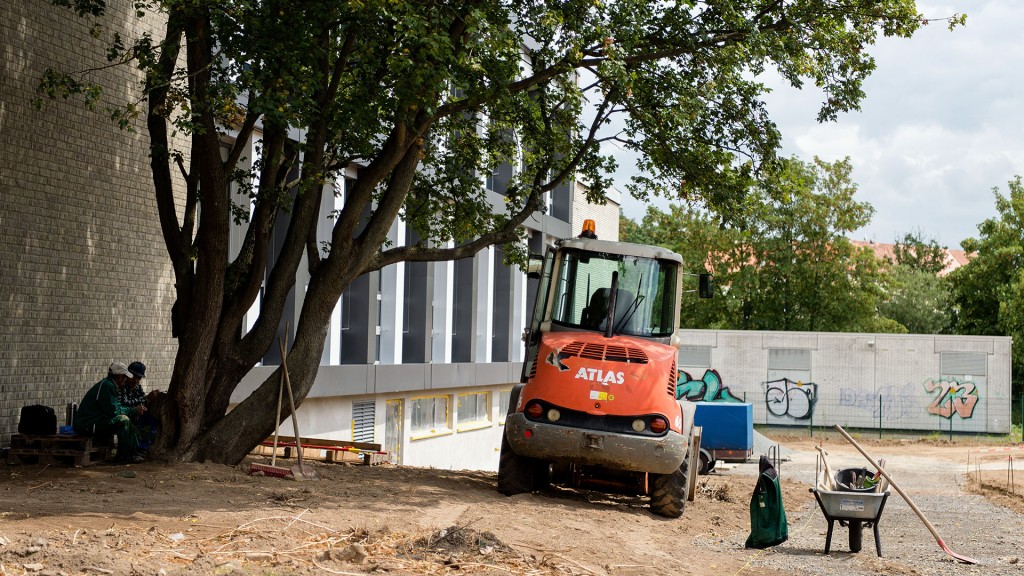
668, 491
518, 474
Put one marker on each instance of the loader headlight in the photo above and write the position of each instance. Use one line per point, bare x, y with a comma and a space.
554, 415
639, 425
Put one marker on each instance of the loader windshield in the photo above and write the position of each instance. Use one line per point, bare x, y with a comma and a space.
645, 303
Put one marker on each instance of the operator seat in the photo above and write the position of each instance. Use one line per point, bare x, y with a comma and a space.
595, 312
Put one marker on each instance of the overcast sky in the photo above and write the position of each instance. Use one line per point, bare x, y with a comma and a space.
942, 124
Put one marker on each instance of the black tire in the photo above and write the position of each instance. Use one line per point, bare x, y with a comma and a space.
704, 463
518, 474
561, 473
668, 491
856, 535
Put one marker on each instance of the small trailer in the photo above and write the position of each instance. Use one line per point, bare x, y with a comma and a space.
727, 433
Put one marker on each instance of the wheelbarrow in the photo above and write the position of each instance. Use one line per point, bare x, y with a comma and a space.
854, 502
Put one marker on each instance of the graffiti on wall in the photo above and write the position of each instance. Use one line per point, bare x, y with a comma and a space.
952, 397
708, 389
785, 397
896, 401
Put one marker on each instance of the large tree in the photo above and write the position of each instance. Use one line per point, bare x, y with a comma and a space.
424, 97
988, 292
781, 257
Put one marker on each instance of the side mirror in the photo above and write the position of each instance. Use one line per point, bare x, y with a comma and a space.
706, 288
534, 266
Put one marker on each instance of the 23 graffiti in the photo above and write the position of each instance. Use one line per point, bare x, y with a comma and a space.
954, 397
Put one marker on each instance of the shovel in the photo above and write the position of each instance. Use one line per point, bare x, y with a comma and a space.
935, 533
300, 470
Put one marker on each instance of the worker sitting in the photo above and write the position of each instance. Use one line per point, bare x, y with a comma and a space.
100, 413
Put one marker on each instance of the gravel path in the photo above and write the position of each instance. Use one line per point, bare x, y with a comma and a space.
968, 523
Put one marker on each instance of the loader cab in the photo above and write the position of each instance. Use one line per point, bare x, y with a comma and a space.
608, 288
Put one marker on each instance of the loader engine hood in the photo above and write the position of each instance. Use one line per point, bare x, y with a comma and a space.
618, 376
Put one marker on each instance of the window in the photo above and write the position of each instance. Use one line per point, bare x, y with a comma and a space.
429, 414
504, 397
645, 299
474, 408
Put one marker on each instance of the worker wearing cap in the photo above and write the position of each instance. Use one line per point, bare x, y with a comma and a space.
100, 412
131, 395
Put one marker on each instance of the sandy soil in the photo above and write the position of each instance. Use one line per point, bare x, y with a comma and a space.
211, 519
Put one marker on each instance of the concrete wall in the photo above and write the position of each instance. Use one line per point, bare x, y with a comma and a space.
85, 276
906, 382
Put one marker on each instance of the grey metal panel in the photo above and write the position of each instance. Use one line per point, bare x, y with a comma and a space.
465, 375
973, 363
442, 376
401, 377
699, 356
495, 373
789, 359
344, 380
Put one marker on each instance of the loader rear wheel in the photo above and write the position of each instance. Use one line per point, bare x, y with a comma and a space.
668, 491
518, 474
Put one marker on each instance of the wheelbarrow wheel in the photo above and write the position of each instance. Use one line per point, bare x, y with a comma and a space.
856, 535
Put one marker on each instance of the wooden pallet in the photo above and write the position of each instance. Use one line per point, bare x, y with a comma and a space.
326, 450
57, 449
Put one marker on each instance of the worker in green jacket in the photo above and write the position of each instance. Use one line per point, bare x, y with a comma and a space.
100, 412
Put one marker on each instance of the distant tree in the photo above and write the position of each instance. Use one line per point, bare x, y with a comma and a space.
915, 295
917, 299
781, 258
423, 98
988, 292
915, 252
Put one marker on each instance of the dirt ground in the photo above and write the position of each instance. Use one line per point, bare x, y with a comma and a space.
210, 519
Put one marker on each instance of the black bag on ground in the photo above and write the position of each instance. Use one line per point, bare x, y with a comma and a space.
37, 420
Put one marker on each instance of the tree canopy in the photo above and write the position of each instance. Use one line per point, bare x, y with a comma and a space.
781, 258
421, 100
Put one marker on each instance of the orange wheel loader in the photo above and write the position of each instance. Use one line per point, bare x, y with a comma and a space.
596, 407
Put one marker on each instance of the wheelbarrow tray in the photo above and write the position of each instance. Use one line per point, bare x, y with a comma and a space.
844, 505
854, 508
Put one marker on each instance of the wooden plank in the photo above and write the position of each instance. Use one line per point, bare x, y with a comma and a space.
326, 442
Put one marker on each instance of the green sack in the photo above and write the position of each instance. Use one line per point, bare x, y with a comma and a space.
768, 525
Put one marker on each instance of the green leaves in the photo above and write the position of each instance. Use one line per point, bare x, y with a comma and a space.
781, 258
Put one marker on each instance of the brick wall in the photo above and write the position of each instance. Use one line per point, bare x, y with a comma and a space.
84, 277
